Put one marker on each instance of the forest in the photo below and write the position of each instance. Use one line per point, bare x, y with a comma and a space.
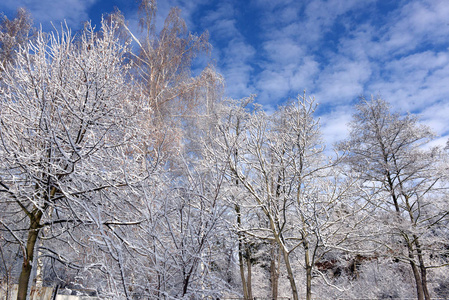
125, 173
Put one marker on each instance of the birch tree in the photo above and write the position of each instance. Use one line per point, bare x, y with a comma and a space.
14, 34
163, 66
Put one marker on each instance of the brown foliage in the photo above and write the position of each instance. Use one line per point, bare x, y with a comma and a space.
13, 34
163, 67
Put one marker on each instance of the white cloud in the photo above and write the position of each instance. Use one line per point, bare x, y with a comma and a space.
224, 29
303, 76
320, 15
415, 23
233, 52
336, 50
187, 8
342, 81
237, 70
416, 81
435, 116
283, 50
74, 12
273, 84
280, 81
334, 125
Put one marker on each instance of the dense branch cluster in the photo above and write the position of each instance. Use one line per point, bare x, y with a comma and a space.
124, 175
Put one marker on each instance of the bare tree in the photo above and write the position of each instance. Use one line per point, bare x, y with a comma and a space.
163, 67
279, 164
66, 127
388, 151
235, 117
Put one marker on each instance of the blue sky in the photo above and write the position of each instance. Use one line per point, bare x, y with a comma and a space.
337, 50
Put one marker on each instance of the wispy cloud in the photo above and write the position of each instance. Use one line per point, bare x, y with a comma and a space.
403, 57
415, 81
336, 50
435, 116
74, 12
334, 125
416, 24
232, 50
342, 81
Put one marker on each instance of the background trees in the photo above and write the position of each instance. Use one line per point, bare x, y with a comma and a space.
163, 66
387, 150
278, 168
14, 34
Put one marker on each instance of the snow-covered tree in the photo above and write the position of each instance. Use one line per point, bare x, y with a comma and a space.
278, 165
388, 151
66, 126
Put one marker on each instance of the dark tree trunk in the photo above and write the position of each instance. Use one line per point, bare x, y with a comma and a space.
249, 279
422, 268
416, 275
241, 258
25, 274
308, 265
274, 272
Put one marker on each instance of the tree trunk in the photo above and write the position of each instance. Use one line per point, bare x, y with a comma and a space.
185, 283
242, 274
308, 271
248, 280
25, 274
274, 271
40, 262
308, 282
290, 275
24, 279
419, 286
241, 264
422, 268
39, 279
